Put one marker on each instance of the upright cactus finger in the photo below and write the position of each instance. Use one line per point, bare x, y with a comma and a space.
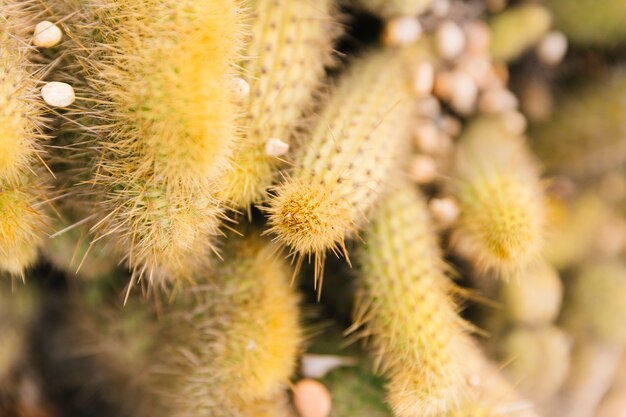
501, 198
291, 41
235, 345
22, 195
408, 309
358, 140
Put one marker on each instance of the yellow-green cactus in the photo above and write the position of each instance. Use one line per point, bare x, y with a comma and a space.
394, 8
238, 337
357, 142
589, 22
533, 298
586, 136
160, 110
517, 29
501, 198
538, 360
290, 42
595, 302
22, 218
408, 309
22, 226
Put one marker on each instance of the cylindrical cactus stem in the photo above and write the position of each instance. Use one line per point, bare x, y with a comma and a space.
588, 22
290, 43
594, 312
407, 308
501, 225
358, 141
235, 343
22, 217
517, 29
538, 358
533, 299
389, 9
165, 232
22, 226
160, 106
586, 136
166, 83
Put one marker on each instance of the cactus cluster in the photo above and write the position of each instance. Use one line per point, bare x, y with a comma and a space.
176, 174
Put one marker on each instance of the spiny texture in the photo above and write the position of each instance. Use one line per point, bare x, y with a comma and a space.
237, 340
586, 136
164, 76
22, 225
357, 142
22, 220
290, 42
589, 22
408, 309
595, 302
394, 8
501, 198
162, 119
21, 111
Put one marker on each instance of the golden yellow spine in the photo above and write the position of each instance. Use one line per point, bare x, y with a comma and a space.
290, 43
240, 335
357, 142
408, 309
501, 225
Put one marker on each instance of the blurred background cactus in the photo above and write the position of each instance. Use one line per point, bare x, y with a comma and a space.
280, 208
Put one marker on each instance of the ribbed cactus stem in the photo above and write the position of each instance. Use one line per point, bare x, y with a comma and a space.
408, 309
236, 343
501, 198
357, 142
290, 42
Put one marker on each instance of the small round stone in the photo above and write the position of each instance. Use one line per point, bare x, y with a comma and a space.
552, 48
276, 147
311, 398
47, 35
402, 31
445, 210
450, 40
424, 79
57, 94
242, 88
423, 169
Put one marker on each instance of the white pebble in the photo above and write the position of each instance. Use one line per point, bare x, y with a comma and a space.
515, 122
451, 126
445, 210
57, 94
497, 100
464, 94
276, 147
47, 35
242, 88
423, 169
424, 79
317, 366
429, 106
478, 38
427, 137
450, 40
552, 48
402, 31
